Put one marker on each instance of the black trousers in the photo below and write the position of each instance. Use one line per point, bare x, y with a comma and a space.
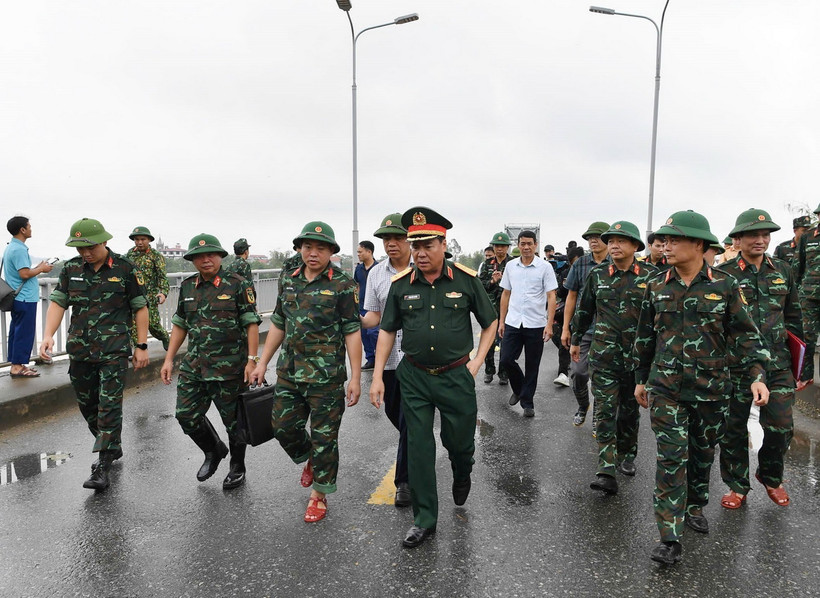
531, 341
392, 408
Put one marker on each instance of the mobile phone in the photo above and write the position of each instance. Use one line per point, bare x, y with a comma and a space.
52, 260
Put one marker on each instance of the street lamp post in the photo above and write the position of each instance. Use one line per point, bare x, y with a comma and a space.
346, 6
659, 34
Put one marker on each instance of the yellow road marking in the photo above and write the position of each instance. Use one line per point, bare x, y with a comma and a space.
385, 494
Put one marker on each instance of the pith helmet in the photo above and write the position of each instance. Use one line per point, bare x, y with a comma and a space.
687, 224
141, 231
317, 231
728, 241
624, 229
719, 249
753, 219
204, 243
391, 225
87, 232
423, 224
501, 238
801, 222
516, 252
595, 229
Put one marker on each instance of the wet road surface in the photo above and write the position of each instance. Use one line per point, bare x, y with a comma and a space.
531, 526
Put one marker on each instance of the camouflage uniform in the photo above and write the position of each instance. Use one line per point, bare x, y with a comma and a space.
681, 346
240, 265
315, 316
785, 251
806, 266
215, 315
151, 265
612, 300
494, 291
102, 304
773, 305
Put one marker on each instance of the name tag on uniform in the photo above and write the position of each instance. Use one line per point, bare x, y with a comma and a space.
114, 279
223, 297
326, 292
662, 297
80, 278
188, 299
603, 286
411, 297
713, 297
453, 295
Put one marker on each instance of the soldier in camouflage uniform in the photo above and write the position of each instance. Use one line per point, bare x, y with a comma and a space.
315, 320
785, 250
806, 266
771, 294
612, 299
151, 266
490, 277
240, 264
216, 311
690, 315
104, 291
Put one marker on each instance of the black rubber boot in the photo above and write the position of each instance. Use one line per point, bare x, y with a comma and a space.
117, 455
236, 476
215, 450
99, 477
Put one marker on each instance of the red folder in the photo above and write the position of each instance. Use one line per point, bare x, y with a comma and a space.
797, 348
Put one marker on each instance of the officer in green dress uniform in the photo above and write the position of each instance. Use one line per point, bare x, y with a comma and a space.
104, 291
216, 311
431, 303
151, 266
690, 316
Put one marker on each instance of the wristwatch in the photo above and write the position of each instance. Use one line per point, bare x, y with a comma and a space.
253, 358
143, 346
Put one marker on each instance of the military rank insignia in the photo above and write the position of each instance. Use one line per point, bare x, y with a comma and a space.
250, 295
742, 297
139, 278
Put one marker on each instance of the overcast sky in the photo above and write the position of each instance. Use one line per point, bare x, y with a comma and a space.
234, 118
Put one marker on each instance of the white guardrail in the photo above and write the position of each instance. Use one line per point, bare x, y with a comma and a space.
266, 283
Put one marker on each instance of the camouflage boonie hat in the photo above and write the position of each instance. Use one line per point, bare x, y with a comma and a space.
86, 233
317, 231
391, 225
204, 243
501, 238
801, 222
595, 229
423, 224
753, 219
141, 231
240, 246
626, 229
687, 223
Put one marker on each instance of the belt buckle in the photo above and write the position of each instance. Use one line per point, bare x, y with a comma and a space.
433, 371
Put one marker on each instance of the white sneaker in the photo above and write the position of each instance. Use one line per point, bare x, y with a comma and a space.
561, 380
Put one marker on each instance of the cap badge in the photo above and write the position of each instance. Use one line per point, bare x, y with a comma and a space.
669, 221
78, 234
201, 242
618, 226
761, 217
318, 229
419, 219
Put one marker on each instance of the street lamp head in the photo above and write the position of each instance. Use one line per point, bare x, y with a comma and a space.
344, 5
405, 19
601, 10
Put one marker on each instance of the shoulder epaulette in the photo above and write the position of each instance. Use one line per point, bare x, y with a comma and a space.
464, 268
401, 274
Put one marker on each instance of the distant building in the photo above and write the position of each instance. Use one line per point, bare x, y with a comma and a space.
171, 252
259, 257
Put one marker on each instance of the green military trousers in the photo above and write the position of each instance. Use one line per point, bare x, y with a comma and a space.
778, 429
194, 398
811, 325
687, 433
453, 394
155, 327
99, 388
617, 417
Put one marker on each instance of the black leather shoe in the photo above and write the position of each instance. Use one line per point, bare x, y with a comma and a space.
461, 490
579, 418
513, 399
605, 483
117, 455
417, 535
667, 553
403, 495
488, 378
503, 380
627, 467
697, 523
529, 412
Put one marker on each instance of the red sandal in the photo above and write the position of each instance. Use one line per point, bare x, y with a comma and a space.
313, 513
307, 475
732, 500
778, 495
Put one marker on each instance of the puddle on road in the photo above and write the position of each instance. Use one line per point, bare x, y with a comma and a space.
27, 466
518, 489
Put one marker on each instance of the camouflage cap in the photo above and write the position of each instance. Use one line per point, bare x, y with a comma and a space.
141, 231
622, 228
204, 243
317, 230
751, 220
87, 232
423, 224
391, 225
240, 246
801, 222
501, 238
687, 223
596, 229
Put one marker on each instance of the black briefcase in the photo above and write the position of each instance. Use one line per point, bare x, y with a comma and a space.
253, 414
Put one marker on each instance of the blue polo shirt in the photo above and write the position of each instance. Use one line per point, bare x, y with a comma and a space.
16, 258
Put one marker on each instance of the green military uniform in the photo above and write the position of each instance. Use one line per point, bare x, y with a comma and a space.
806, 266
494, 290
315, 316
151, 265
681, 347
785, 250
611, 299
774, 307
102, 304
436, 333
239, 264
